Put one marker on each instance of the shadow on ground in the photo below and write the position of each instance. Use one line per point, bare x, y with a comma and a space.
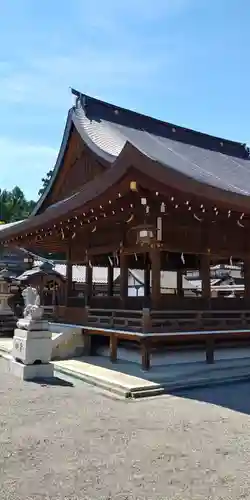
234, 396
54, 381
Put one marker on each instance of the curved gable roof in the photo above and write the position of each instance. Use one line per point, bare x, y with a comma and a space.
96, 142
209, 160
184, 159
106, 128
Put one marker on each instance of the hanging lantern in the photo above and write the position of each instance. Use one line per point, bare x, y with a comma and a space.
145, 234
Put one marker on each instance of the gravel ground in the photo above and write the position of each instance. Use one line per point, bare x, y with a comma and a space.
62, 442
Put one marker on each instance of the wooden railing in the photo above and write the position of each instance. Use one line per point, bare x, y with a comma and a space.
198, 320
109, 318
146, 320
169, 302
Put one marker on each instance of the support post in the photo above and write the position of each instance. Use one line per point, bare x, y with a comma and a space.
110, 281
86, 315
68, 277
113, 347
89, 284
145, 362
147, 280
179, 283
205, 276
87, 343
123, 278
155, 256
210, 350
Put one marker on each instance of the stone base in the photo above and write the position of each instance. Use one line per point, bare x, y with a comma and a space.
32, 334
32, 324
31, 372
29, 351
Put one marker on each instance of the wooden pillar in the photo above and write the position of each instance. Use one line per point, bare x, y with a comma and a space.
68, 276
113, 347
145, 356
247, 277
87, 344
205, 276
110, 281
210, 350
147, 280
123, 278
89, 283
155, 256
179, 283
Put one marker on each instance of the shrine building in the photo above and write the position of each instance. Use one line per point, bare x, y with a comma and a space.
132, 192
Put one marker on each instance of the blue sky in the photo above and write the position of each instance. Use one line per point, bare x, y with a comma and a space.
185, 61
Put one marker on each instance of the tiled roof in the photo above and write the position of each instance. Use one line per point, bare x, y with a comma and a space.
104, 136
210, 160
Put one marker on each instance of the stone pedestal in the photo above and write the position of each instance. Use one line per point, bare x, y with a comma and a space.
32, 349
32, 372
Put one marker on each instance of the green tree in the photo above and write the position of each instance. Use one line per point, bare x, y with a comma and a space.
14, 206
45, 182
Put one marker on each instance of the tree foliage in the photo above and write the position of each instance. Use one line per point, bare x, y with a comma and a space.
45, 182
14, 206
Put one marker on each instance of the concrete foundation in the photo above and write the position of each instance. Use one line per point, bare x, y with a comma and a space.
31, 372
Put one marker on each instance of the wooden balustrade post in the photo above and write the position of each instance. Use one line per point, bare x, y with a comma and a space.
146, 320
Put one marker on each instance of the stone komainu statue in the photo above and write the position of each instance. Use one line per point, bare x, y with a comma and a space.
32, 304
